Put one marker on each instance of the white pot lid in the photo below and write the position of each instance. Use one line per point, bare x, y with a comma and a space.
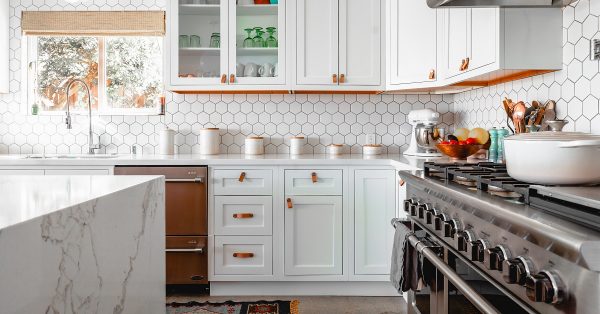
553, 136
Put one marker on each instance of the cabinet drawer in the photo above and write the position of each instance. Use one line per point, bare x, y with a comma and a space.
236, 255
243, 182
313, 182
187, 261
243, 215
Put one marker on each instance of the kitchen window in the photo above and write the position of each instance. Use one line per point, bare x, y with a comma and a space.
119, 55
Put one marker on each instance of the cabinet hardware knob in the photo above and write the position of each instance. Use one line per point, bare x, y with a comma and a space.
342, 78
224, 79
289, 203
243, 215
462, 65
335, 79
401, 182
243, 255
242, 177
314, 177
467, 63
432, 74
232, 79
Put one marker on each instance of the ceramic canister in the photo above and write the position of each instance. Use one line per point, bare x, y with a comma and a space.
254, 145
372, 149
335, 149
210, 140
297, 145
166, 142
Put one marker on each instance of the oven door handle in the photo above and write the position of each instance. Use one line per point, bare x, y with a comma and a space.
478, 301
198, 250
195, 180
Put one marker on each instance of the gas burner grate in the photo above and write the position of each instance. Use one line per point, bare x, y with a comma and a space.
486, 176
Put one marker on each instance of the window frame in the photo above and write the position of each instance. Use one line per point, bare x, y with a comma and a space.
30, 52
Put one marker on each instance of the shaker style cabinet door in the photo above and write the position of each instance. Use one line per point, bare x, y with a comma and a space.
413, 42
374, 207
484, 33
317, 42
455, 40
313, 235
360, 42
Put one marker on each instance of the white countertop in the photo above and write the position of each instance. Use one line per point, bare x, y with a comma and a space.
28, 197
396, 160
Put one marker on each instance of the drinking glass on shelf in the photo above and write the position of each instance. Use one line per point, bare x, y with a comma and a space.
215, 40
248, 42
184, 41
271, 41
195, 41
259, 42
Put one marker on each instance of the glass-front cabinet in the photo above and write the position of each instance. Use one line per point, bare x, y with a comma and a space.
226, 44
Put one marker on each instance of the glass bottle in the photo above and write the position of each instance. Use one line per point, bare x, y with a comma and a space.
271, 41
248, 42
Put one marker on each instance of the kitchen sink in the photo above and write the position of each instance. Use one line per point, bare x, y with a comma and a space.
72, 156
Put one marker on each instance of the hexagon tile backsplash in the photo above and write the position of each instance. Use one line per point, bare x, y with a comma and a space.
576, 88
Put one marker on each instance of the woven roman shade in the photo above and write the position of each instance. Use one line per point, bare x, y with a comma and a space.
93, 23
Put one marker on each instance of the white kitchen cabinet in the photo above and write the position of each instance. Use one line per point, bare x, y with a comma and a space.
235, 255
338, 44
313, 235
231, 65
243, 215
413, 55
317, 42
495, 44
4, 46
314, 182
76, 172
243, 182
23, 172
374, 207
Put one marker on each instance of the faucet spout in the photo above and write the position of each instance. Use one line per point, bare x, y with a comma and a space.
92, 148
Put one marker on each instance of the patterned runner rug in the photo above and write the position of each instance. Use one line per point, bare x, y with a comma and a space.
230, 307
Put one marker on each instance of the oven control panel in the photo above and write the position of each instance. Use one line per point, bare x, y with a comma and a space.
543, 286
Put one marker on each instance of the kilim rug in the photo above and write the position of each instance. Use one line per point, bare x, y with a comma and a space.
230, 307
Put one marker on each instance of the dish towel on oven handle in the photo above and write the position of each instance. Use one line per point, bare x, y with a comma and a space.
398, 274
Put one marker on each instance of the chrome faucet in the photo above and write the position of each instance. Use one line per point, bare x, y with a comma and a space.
68, 122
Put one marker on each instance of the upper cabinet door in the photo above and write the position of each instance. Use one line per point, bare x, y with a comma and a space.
4, 31
484, 37
257, 45
317, 42
456, 39
198, 35
360, 42
413, 45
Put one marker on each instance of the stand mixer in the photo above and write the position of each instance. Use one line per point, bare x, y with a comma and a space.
425, 134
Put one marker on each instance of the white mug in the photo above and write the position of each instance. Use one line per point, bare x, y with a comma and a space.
266, 70
239, 70
276, 69
251, 70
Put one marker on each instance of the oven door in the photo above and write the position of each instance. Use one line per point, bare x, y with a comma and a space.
458, 286
187, 261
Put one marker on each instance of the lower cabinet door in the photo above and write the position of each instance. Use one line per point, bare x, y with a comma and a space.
243, 255
374, 207
313, 235
187, 261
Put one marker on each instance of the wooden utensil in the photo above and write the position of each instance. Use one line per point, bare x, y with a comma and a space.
519, 117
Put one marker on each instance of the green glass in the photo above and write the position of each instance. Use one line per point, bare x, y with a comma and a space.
259, 42
271, 41
248, 42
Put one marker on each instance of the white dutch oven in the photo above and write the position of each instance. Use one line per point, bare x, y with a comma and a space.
553, 158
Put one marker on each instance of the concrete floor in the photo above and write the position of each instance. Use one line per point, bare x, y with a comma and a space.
318, 305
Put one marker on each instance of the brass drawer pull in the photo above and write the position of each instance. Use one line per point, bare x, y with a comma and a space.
342, 78
243, 255
467, 63
224, 79
232, 79
432, 74
243, 215
314, 177
242, 177
289, 203
335, 79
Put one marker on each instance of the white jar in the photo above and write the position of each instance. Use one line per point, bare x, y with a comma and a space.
166, 142
255, 145
297, 145
335, 149
210, 140
372, 149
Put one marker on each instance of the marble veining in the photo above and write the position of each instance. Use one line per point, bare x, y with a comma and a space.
102, 255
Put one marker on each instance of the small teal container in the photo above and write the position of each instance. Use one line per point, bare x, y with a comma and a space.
274, 1
501, 135
493, 151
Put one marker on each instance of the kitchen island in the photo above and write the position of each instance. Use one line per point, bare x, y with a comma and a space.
82, 244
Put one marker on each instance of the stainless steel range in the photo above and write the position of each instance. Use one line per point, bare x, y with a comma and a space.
499, 245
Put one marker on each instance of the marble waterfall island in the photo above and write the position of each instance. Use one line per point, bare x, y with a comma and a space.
82, 244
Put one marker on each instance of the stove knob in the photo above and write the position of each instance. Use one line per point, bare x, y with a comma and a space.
516, 270
422, 208
494, 257
451, 227
430, 216
407, 204
476, 250
413, 210
546, 286
463, 239
439, 220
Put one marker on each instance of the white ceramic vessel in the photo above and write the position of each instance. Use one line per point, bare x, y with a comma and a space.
210, 140
372, 149
553, 158
166, 142
297, 145
255, 145
335, 149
